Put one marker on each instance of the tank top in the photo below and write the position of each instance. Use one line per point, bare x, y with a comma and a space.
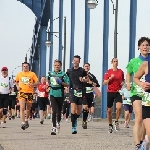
146, 96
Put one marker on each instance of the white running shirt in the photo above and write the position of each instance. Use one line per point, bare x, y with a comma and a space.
5, 85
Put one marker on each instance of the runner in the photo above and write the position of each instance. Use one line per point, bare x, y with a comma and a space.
48, 112
132, 68
5, 86
12, 101
42, 91
127, 105
114, 78
88, 101
25, 81
66, 104
143, 87
17, 106
58, 80
77, 76
91, 109
34, 107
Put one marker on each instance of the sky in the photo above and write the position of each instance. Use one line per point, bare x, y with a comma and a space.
16, 31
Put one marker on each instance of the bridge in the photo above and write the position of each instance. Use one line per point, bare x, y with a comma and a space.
43, 10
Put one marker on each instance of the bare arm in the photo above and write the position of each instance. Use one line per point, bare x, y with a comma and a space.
122, 97
128, 78
107, 81
64, 84
17, 84
141, 71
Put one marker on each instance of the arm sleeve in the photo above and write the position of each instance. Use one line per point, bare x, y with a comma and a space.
17, 78
84, 73
96, 81
35, 79
106, 75
66, 79
48, 76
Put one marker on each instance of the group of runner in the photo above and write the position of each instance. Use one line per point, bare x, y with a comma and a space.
75, 88
137, 99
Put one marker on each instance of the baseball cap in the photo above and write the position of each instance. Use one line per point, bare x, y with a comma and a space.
4, 69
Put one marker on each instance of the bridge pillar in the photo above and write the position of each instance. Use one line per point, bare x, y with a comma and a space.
51, 35
132, 31
60, 29
105, 58
72, 32
87, 28
43, 37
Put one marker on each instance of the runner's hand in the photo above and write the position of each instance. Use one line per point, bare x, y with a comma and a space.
18, 88
129, 87
81, 79
90, 82
145, 85
30, 85
112, 76
44, 87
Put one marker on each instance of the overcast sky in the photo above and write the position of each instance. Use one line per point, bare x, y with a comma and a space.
17, 22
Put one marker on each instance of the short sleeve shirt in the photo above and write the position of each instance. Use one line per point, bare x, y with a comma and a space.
132, 68
24, 79
74, 75
114, 85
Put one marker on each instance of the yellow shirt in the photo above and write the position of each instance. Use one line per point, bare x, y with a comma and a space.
24, 78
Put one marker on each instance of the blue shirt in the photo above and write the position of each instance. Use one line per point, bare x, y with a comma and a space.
126, 95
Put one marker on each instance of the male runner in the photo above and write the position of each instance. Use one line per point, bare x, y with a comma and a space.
88, 101
12, 101
66, 104
132, 68
5, 86
26, 80
127, 105
77, 76
114, 78
144, 85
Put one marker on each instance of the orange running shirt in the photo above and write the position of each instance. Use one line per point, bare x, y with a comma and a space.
24, 78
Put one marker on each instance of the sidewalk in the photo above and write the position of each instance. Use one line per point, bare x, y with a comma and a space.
37, 137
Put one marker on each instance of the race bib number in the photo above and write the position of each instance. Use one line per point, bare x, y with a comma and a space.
78, 93
89, 89
138, 89
129, 101
146, 99
25, 80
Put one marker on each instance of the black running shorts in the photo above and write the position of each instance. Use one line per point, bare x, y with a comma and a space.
135, 97
145, 112
113, 96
